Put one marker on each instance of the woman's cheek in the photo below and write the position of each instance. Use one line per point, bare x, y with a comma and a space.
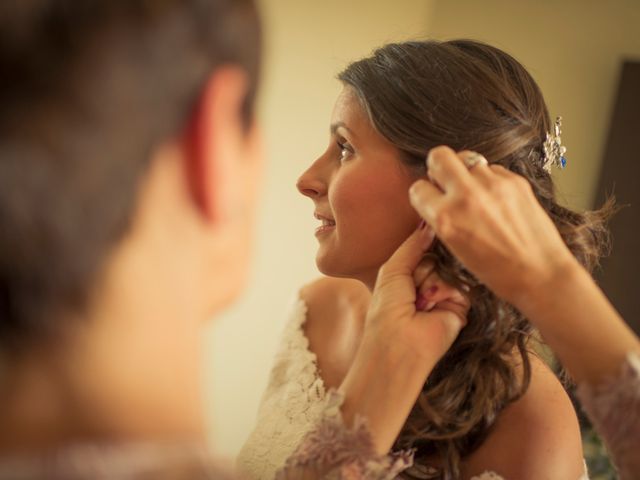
352, 202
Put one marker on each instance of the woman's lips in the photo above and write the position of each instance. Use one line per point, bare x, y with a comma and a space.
328, 224
324, 229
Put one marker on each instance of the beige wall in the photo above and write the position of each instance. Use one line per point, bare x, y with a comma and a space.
571, 47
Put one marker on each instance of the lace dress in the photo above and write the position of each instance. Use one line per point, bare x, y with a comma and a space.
292, 407
293, 401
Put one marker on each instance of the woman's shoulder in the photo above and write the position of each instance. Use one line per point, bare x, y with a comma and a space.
336, 308
537, 436
329, 300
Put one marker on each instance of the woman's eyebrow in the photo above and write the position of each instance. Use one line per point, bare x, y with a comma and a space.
334, 127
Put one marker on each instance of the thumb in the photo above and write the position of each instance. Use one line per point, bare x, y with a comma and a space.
440, 328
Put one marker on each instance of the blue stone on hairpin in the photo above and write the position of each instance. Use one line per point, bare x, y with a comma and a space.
553, 149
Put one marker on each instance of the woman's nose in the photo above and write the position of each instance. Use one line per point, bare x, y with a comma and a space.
311, 185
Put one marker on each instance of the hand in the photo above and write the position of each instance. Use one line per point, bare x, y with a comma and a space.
412, 310
491, 221
401, 342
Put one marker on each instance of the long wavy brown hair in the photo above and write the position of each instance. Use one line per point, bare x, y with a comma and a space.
469, 95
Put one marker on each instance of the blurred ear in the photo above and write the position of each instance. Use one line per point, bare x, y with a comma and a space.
213, 144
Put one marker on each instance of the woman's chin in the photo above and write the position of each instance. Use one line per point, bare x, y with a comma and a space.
330, 267
325, 269
334, 267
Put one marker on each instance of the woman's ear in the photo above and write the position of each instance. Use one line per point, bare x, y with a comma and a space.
214, 144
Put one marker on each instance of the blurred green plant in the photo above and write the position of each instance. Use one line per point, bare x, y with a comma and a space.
596, 456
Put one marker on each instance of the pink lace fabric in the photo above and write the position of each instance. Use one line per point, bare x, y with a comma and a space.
614, 408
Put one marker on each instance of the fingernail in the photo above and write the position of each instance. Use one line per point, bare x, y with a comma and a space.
421, 303
428, 236
430, 306
413, 190
431, 291
430, 159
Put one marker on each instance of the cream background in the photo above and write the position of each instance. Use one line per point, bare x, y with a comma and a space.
573, 49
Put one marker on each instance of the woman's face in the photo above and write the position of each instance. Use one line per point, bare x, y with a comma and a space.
360, 190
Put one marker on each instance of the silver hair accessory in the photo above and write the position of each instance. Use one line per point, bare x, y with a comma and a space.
473, 159
553, 149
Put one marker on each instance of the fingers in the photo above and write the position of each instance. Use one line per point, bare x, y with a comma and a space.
448, 169
406, 258
480, 171
500, 171
427, 199
442, 324
445, 169
450, 173
433, 291
451, 318
422, 271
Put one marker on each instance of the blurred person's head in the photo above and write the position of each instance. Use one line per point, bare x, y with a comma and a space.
128, 160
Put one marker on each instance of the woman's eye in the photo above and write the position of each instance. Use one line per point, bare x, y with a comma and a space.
345, 150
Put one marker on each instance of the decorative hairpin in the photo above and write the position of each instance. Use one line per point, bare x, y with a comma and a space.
553, 149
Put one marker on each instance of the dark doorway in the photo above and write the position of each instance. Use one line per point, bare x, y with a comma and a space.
620, 275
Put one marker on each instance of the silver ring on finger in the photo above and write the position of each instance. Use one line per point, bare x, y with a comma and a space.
473, 159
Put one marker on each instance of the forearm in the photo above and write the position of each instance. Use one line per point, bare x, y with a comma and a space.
579, 324
382, 386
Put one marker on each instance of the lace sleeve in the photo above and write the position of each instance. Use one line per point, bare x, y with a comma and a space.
334, 451
614, 408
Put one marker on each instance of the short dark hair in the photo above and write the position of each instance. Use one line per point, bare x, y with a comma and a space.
88, 89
